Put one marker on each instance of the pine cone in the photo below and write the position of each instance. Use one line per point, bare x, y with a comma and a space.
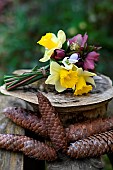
26, 119
88, 128
53, 125
28, 146
92, 146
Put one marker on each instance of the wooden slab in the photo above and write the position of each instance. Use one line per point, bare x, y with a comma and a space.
73, 164
10, 160
103, 92
66, 102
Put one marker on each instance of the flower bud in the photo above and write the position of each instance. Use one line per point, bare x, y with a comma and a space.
58, 54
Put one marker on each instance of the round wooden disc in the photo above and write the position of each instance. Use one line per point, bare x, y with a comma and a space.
102, 92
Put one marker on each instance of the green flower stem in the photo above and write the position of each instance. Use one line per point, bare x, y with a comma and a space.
17, 83
12, 82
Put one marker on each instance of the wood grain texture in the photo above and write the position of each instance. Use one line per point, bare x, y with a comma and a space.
10, 160
73, 164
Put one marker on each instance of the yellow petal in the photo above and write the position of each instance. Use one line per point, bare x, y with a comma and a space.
75, 68
85, 89
90, 80
58, 87
81, 83
47, 55
68, 78
48, 41
54, 71
80, 71
61, 36
52, 79
54, 68
55, 40
87, 73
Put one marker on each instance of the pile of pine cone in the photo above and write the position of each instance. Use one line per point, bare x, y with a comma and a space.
88, 139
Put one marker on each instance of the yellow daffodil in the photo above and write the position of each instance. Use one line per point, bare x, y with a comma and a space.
61, 77
88, 76
83, 77
81, 87
51, 42
68, 78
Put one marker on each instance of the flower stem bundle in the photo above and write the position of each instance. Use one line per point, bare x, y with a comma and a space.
14, 81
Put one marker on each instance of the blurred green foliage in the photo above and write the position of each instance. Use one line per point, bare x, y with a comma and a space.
107, 164
23, 22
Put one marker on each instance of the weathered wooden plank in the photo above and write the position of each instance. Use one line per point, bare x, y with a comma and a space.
80, 164
10, 160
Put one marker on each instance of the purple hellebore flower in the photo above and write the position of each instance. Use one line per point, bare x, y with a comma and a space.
79, 39
58, 54
90, 60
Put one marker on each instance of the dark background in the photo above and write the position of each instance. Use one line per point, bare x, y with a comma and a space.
23, 22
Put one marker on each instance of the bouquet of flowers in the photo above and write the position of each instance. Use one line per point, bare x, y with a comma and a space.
72, 64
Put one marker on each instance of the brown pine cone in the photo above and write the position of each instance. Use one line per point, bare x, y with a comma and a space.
28, 146
88, 128
53, 125
26, 119
92, 146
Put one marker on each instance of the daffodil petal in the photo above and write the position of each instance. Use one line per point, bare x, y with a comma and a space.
80, 71
54, 38
52, 79
61, 36
68, 79
87, 73
85, 89
81, 83
47, 55
54, 68
74, 68
90, 80
58, 87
